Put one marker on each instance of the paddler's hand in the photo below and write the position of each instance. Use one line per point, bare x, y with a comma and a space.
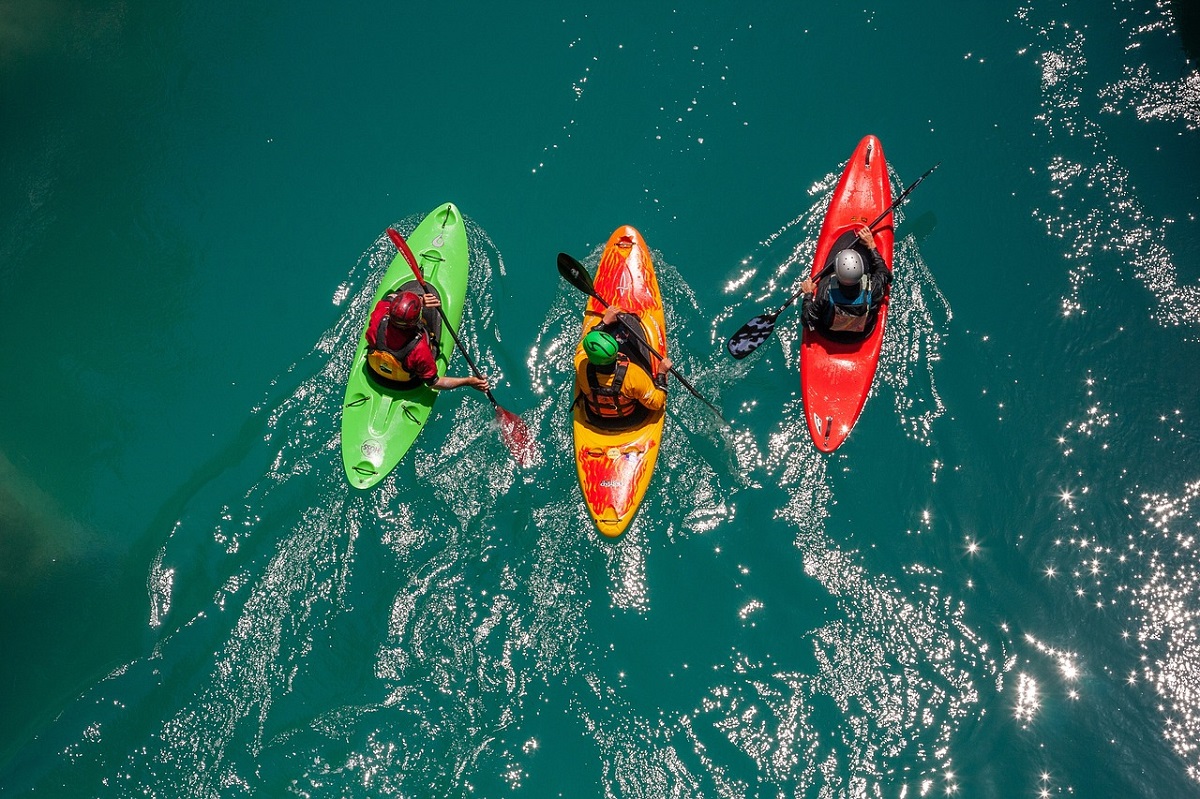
477, 383
808, 286
866, 237
610, 314
664, 366
430, 300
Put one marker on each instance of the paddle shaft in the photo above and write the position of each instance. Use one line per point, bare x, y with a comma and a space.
895, 204
638, 335
411, 260
820, 276
470, 362
573, 272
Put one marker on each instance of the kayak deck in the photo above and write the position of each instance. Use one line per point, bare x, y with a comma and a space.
836, 376
615, 467
380, 423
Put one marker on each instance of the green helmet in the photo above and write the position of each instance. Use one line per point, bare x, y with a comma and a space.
600, 347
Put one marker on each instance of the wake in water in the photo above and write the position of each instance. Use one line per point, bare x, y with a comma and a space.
1096, 210
250, 600
402, 640
697, 470
894, 677
1128, 551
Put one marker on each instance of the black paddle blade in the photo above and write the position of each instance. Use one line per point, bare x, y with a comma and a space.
751, 335
574, 273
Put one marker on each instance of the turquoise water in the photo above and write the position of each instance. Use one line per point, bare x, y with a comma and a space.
990, 590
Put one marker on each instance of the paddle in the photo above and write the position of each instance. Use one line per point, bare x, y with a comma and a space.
512, 428
750, 335
574, 273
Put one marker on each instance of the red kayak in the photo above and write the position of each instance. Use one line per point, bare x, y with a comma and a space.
836, 376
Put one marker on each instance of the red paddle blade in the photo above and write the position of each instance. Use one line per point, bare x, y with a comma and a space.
407, 252
516, 436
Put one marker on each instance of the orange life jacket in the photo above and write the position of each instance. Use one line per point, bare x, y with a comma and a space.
607, 402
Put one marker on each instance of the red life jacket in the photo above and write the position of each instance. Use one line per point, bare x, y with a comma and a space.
389, 363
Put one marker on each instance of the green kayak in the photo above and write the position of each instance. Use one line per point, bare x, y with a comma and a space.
381, 422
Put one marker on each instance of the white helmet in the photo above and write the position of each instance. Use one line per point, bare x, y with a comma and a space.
849, 267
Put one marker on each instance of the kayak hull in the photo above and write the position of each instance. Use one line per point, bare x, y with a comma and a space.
381, 423
836, 376
615, 466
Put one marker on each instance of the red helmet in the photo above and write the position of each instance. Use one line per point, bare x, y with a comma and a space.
405, 310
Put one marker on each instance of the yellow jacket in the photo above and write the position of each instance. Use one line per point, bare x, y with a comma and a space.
638, 384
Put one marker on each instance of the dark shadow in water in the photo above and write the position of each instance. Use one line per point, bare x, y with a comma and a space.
50, 565
34, 533
919, 228
1187, 19
85, 144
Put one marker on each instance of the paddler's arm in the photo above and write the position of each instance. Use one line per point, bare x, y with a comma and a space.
881, 277
809, 309
426, 370
447, 383
625, 328
639, 386
606, 322
660, 374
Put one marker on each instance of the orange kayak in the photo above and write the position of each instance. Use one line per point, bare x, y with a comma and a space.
615, 466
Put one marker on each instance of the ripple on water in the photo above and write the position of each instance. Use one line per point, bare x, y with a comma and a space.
1095, 209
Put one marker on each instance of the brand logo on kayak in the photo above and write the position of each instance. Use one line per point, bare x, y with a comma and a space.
372, 452
610, 484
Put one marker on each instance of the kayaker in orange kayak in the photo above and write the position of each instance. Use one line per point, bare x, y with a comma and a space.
847, 302
614, 373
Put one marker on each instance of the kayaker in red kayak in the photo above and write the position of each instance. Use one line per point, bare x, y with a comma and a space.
404, 355
615, 373
847, 302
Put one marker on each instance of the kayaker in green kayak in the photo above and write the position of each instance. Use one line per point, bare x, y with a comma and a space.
398, 347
